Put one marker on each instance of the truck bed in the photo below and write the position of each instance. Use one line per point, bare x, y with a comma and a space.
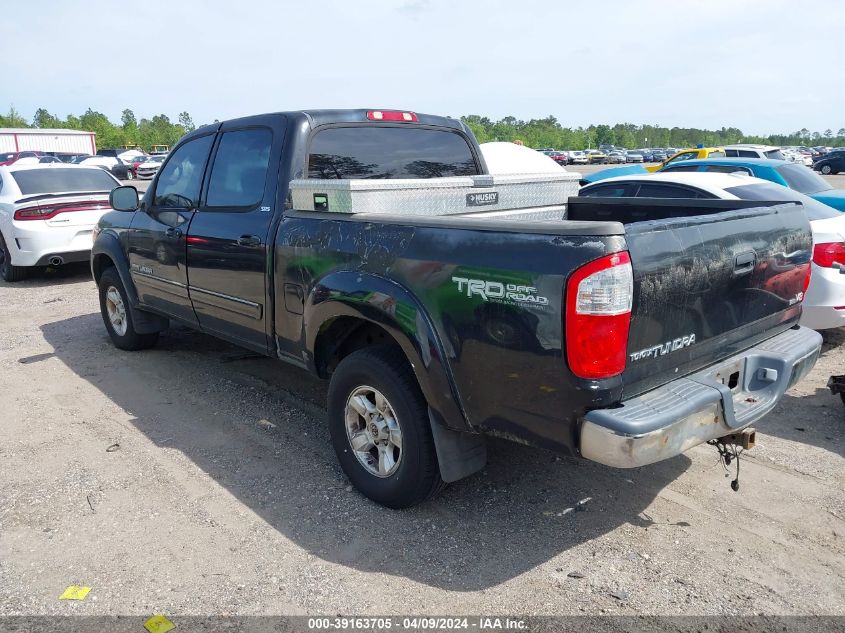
508, 358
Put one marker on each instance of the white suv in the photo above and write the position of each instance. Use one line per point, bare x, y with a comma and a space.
754, 151
47, 213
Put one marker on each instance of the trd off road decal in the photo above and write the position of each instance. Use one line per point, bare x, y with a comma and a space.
498, 292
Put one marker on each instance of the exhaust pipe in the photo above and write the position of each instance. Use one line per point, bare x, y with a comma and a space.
746, 438
56, 260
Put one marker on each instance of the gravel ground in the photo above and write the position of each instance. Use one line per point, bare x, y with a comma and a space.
195, 479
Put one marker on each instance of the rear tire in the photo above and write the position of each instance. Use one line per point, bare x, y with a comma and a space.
375, 401
8, 271
117, 315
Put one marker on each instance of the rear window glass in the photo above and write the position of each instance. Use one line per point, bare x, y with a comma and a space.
771, 192
606, 191
6, 156
674, 168
775, 154
34, 181
803, 179
389, 152
660, 190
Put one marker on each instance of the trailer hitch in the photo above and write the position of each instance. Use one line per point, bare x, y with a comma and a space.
730, 447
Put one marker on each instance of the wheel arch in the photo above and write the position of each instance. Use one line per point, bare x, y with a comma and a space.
347, 311
107, 252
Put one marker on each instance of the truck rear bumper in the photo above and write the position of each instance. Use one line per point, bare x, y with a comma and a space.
709, 404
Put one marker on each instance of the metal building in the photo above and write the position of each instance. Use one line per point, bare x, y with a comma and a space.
69, 141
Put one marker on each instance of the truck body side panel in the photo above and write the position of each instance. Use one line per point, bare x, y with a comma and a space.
482, 307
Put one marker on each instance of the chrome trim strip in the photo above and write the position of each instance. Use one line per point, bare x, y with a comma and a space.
167, 286
170, 282
226, 302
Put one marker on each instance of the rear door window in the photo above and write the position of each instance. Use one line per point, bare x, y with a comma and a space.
240, 168
389, 152
741, 153
727, 169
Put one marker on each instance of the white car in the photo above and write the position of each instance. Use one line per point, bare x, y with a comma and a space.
47, 213
577, 157
750, 150
149, 168
824, 303
794, 156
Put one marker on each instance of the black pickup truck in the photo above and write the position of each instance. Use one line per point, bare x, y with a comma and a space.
622, 331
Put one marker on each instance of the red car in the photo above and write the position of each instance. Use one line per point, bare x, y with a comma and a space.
137, 161
561, 158
10, 157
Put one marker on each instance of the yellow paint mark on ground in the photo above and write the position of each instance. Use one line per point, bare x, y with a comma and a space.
159, 624
75, 592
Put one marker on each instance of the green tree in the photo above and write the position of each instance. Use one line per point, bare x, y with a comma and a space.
130, 127
43, 119
12, 118
186, 122
604, 135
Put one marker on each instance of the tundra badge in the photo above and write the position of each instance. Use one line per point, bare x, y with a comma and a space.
665, 348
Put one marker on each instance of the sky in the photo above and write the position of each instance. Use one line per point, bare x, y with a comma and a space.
764, 66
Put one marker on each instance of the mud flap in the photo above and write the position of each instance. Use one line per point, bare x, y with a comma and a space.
459, 454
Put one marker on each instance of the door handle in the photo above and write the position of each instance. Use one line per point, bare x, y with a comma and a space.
172, 232
744, 263
249, 240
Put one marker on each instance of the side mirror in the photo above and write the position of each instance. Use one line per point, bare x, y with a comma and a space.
124, 198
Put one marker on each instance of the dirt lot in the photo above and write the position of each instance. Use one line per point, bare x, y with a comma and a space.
194, 479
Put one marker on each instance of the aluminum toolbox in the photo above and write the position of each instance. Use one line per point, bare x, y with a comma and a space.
458, 195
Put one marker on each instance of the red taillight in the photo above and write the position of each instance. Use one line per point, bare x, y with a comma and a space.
825, 255
37, 212
807, 276
598, 316
389, 115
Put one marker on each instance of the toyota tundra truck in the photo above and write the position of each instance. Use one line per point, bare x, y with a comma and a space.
444, 304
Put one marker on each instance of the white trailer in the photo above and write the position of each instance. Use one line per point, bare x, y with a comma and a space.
44, 140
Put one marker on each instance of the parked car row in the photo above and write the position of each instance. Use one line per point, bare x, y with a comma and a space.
824, 159
121, 163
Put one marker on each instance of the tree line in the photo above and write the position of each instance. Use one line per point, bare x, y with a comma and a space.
548, 132
143, 133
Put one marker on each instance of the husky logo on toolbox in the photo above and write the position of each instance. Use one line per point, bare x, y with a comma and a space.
482, 199
499, 292
665, 348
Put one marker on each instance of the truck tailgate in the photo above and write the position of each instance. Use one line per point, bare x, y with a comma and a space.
708, 282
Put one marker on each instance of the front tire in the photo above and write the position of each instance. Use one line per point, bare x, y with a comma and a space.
117, 316
8, 271
380, 430
826, 170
